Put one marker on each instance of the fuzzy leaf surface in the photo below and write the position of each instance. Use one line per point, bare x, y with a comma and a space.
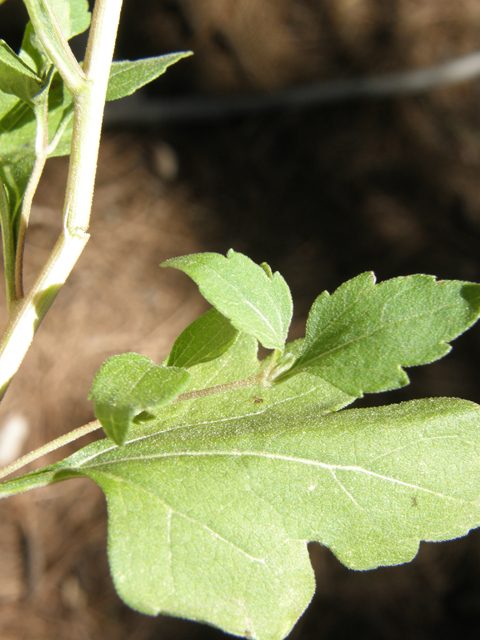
226, 491
205, 339
360, 337
208, 570
256, 301
127, 76
32, 51
128, 384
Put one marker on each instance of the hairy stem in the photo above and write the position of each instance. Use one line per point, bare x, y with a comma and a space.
89, 108
220, 388
49, 447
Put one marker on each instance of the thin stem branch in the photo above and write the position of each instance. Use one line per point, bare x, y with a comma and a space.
49, 447
8, 246
41, 146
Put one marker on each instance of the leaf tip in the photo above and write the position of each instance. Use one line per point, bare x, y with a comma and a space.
266, 267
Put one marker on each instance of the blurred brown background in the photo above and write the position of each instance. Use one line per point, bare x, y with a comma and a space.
322, 194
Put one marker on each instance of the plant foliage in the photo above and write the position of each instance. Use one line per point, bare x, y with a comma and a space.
218, 468
238, 463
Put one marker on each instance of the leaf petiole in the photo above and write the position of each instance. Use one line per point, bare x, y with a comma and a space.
49, 447
260, 379
220, 388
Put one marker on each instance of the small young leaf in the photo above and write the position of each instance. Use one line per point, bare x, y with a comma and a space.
126, 77
254, 301
129, 383
361, 336
239, 361
16, 77
205, 339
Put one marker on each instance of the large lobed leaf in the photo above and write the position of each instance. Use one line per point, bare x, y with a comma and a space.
360, 337
212, 502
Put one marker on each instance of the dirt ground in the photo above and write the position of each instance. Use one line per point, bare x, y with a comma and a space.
322, 194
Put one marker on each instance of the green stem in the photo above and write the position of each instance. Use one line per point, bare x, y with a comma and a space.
89, 108
8, 249
29, 481
49, 447
55, 44
41, 147
89, 103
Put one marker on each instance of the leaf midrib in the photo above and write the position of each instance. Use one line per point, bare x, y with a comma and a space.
260, 411
238, 289
272, 456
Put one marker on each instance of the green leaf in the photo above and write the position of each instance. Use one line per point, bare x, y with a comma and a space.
16, 77
32, 51
225, 505
14, 176
17, 138
361, 336
73, 16
255, 302
126, 77
79, 16
130, 383
205, 339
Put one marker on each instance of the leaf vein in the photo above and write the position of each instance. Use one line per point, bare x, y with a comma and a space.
274, 456
183, 515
